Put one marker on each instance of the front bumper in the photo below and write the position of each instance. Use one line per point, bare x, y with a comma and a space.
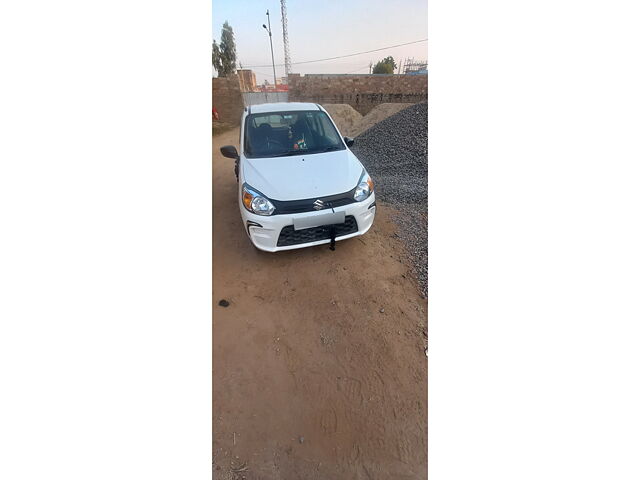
264, 231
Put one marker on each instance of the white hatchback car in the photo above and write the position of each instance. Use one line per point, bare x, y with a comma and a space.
299, 184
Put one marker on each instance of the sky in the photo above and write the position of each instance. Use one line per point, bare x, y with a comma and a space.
321, 29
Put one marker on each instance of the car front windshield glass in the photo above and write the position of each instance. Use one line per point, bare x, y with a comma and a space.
290, 133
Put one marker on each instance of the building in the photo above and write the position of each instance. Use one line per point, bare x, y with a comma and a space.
280, 86
247, 80
415, 67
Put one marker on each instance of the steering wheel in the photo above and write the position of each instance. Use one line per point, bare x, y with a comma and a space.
274, 142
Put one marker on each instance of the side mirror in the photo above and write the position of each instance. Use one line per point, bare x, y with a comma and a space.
349, 141
229, 151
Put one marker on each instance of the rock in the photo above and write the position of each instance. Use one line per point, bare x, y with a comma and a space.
382, 310
301, 439
223, 303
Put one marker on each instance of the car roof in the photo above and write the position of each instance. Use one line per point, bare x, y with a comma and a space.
282, 107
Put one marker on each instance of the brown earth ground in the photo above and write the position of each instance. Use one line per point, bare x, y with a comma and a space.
319, 370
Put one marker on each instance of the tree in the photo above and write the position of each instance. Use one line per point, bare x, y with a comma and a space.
215, 58
386, 65
224, 55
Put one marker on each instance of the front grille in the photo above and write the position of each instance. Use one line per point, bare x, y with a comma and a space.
289, 236
307, 205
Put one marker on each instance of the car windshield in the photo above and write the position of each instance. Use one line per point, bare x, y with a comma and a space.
290, 133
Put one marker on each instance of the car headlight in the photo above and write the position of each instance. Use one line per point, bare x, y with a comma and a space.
256, 202
364, 188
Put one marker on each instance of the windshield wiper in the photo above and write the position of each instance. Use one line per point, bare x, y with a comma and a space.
287, 154
306, 152
330, 149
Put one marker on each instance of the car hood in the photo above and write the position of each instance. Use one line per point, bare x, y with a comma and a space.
303, 176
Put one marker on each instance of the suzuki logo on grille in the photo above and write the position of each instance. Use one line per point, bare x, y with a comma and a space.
318, 205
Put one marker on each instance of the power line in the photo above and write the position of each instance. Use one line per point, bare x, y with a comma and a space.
344, 65
341, 56
268, 75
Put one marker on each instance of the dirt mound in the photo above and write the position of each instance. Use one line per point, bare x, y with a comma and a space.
377, 114
345, 116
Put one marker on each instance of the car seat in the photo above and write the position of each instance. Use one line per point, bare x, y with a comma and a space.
300, 130
259, 138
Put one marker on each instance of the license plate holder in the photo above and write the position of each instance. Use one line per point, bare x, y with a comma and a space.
329, 218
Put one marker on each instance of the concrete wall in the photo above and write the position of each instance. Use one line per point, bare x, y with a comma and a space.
227, 99
257, 98
362, 92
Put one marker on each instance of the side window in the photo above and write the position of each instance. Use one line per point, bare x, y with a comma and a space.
328, 131
313, 124
320, 126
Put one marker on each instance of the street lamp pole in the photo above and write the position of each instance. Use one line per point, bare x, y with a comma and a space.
271, 43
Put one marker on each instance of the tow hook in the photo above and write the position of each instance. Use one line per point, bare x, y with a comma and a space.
332, 232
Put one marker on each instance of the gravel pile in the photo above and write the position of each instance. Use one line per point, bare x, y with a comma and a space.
376, 115
394, 152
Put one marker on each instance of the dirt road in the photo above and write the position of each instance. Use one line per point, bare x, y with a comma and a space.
319, 369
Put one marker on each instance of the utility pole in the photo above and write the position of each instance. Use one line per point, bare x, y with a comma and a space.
370, 65
271, 43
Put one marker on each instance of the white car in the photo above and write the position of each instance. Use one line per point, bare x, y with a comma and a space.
299, 184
